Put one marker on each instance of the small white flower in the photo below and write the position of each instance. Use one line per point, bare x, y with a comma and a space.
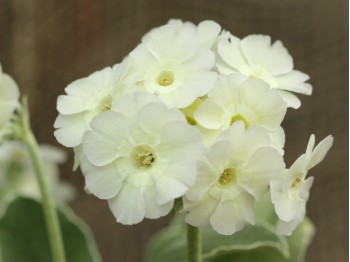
254, 56
290, 193
140, 156
9, 95
235, 173
88, 97
17, 175
236, 98
173, 65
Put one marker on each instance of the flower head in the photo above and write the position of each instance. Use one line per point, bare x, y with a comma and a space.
254, 56
9, 95
236, 98
290, 192
87, 98
173, 65
235, 172
140, 156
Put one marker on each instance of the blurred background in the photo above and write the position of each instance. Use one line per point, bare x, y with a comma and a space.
45, 45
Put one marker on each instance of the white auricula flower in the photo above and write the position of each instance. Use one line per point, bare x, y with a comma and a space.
140, 156
254, 56
173, 65
290, 192
9, 95
236, 98
235, 172
89, 97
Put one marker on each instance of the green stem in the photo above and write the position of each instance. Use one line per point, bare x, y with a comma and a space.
194, 244
50, 213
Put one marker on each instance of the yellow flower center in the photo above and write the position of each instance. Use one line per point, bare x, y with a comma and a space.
143, 156
296, 181
165, 78
105, 104
228, 177
239, 117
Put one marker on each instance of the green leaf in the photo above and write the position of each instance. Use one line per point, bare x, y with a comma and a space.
253, 243
170, 244
298, 244
23, 235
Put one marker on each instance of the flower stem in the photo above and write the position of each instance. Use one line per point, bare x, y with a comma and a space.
194, 244
50, 213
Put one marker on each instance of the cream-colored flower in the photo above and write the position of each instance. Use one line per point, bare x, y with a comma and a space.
290, 192
140, 156
236, 98
173, 65
254, 56
89, 97
235, 172
9, 95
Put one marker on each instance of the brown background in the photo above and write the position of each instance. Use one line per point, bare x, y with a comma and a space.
45, 45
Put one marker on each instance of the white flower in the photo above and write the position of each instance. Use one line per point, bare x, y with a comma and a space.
290, 193
140, 156
17, 175
173, 65
235, 173
88, 97
254, 56
9, 95
236, 98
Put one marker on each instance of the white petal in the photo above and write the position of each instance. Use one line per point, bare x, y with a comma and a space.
200, 214
230, 216
177, 136
231, 53
128, 206
305, 188
153, 116
259, 51
291, 99
141, 59
287, 228
70, 104
208, 32
294, 81
101, 144
171, 42
168, 189
103, 182
265, 164
204, 59
153, 209
320, 151
209, 114
70, 129
286, 208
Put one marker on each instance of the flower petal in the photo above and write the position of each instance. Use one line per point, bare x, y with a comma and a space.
128, 206
104, 182
101, 143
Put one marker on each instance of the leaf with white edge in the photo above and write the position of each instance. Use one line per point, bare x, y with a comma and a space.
23, 235
170, 244
298, 243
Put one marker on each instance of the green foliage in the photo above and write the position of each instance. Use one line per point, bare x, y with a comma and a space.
23, 235
254, 243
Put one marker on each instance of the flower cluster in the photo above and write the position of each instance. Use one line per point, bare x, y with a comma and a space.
194, 113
